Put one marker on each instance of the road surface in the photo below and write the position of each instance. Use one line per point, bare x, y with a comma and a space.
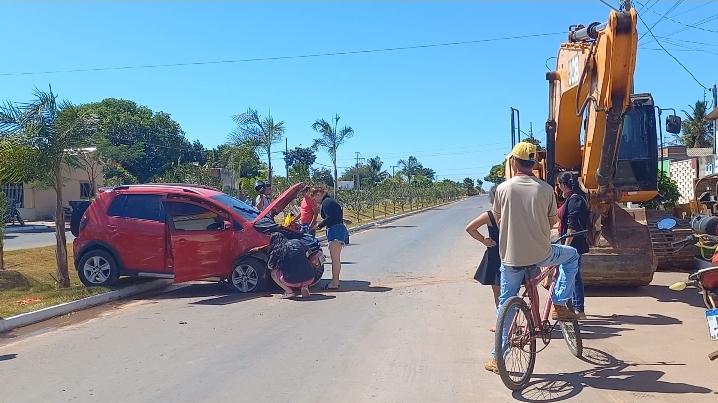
18, 240
410, 325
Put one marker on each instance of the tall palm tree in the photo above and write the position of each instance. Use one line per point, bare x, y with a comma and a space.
331, 139
253, 130
409, 167
37, 140
696, 130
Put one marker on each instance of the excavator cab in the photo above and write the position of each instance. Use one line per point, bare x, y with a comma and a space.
637, 162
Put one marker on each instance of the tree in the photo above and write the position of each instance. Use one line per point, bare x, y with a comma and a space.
479, 185
496, 174
252, 129
696, 131
469, 186
413, 170
668, 194
3, 211
137, 142
242, 159
89, 161
37, 139
535, 141
331, 139
323, 176
191, 173
300, 156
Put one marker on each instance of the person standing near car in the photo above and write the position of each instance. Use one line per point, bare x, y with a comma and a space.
262, 201
337, 235
309, 209
488, 272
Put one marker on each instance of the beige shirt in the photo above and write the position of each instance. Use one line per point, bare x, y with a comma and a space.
523, 204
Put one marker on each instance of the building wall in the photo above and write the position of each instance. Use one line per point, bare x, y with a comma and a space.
39, 202
684, 172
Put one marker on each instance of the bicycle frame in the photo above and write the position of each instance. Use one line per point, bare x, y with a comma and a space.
541, 318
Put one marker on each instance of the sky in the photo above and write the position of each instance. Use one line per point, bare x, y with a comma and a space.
446, 105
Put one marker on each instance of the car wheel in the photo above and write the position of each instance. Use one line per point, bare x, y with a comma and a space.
98, 268
249, 275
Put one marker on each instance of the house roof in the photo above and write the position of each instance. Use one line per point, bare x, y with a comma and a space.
713, 115
699, 152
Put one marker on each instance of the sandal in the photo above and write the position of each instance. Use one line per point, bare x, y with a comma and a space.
287, 295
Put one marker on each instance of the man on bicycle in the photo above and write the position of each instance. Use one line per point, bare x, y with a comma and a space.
525, 207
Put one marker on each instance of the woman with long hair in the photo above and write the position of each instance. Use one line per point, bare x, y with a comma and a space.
289, 265
337, 235
573, 217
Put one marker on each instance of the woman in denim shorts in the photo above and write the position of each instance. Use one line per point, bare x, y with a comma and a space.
337, 235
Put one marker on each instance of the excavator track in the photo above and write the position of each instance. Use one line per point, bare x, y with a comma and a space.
623, 255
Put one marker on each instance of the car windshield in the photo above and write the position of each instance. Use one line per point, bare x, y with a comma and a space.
247, 212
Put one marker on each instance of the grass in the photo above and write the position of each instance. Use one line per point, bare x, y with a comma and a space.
27, 284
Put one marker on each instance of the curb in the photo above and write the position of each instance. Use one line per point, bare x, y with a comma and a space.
89, 302
29, 229
373, 224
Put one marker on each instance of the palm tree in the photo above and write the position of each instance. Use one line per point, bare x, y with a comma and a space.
38, 139
409, 167
331, 139
696, 128
253, 130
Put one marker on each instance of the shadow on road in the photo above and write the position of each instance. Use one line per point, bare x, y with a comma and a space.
603, 327
7, 357
609, 373
355, 285
396, 226
660, 293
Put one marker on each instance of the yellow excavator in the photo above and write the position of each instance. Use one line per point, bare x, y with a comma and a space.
605, 134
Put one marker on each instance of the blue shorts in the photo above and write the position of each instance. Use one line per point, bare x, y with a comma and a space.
338, 232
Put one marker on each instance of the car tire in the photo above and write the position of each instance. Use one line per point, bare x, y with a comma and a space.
98, 268
249, 275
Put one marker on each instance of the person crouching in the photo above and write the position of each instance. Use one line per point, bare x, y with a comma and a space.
289, 265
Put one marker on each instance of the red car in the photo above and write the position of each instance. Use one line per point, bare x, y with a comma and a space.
182, 232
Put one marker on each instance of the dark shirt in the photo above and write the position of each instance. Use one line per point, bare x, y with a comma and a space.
575, 217
295, 267
332, 213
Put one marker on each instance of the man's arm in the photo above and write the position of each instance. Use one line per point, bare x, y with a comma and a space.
552, 214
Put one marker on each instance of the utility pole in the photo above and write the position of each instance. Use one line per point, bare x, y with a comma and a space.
393, 167
715, 123
286, 151
358, 179
531, 129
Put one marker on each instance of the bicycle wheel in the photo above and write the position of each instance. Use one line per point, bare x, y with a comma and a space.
571, 331
515, 345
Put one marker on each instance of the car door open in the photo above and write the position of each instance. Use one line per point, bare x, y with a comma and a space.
200, 239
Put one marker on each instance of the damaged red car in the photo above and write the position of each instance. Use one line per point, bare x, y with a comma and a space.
184, 232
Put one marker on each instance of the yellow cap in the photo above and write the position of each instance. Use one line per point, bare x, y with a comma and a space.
523, 151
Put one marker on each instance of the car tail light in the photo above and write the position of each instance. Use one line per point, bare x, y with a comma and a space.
83, 221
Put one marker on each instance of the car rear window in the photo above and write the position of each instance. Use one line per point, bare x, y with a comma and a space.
138, 206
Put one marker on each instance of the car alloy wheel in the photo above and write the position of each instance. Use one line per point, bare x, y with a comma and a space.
97, 270
245, 278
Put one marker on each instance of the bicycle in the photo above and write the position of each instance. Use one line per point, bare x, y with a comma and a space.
526, 323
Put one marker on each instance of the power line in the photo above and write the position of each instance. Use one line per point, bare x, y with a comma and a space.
670, 54
675, 5
277, 58
695, 8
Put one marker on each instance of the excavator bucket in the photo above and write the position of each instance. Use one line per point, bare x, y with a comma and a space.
623, 254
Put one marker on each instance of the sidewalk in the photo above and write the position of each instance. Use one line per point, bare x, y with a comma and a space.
31, 227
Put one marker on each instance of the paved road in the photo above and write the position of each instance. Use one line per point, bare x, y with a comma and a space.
17, 240
410, 325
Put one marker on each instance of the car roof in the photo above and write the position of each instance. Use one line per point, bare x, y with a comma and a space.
174, 188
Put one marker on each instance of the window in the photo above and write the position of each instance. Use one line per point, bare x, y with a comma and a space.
191, 217
247, 212
85, 190
142, 207
14, 192
709, 169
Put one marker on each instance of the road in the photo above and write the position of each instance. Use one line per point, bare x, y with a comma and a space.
409, 325
17, 240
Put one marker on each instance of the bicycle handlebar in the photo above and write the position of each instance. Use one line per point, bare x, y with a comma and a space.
573, 234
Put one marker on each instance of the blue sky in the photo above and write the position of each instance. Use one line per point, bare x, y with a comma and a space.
449, 106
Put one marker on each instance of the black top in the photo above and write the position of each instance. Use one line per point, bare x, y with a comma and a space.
575, 217
488, 272
332, 213
295, 267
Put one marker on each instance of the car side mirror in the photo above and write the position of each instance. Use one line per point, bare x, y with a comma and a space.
673, 124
